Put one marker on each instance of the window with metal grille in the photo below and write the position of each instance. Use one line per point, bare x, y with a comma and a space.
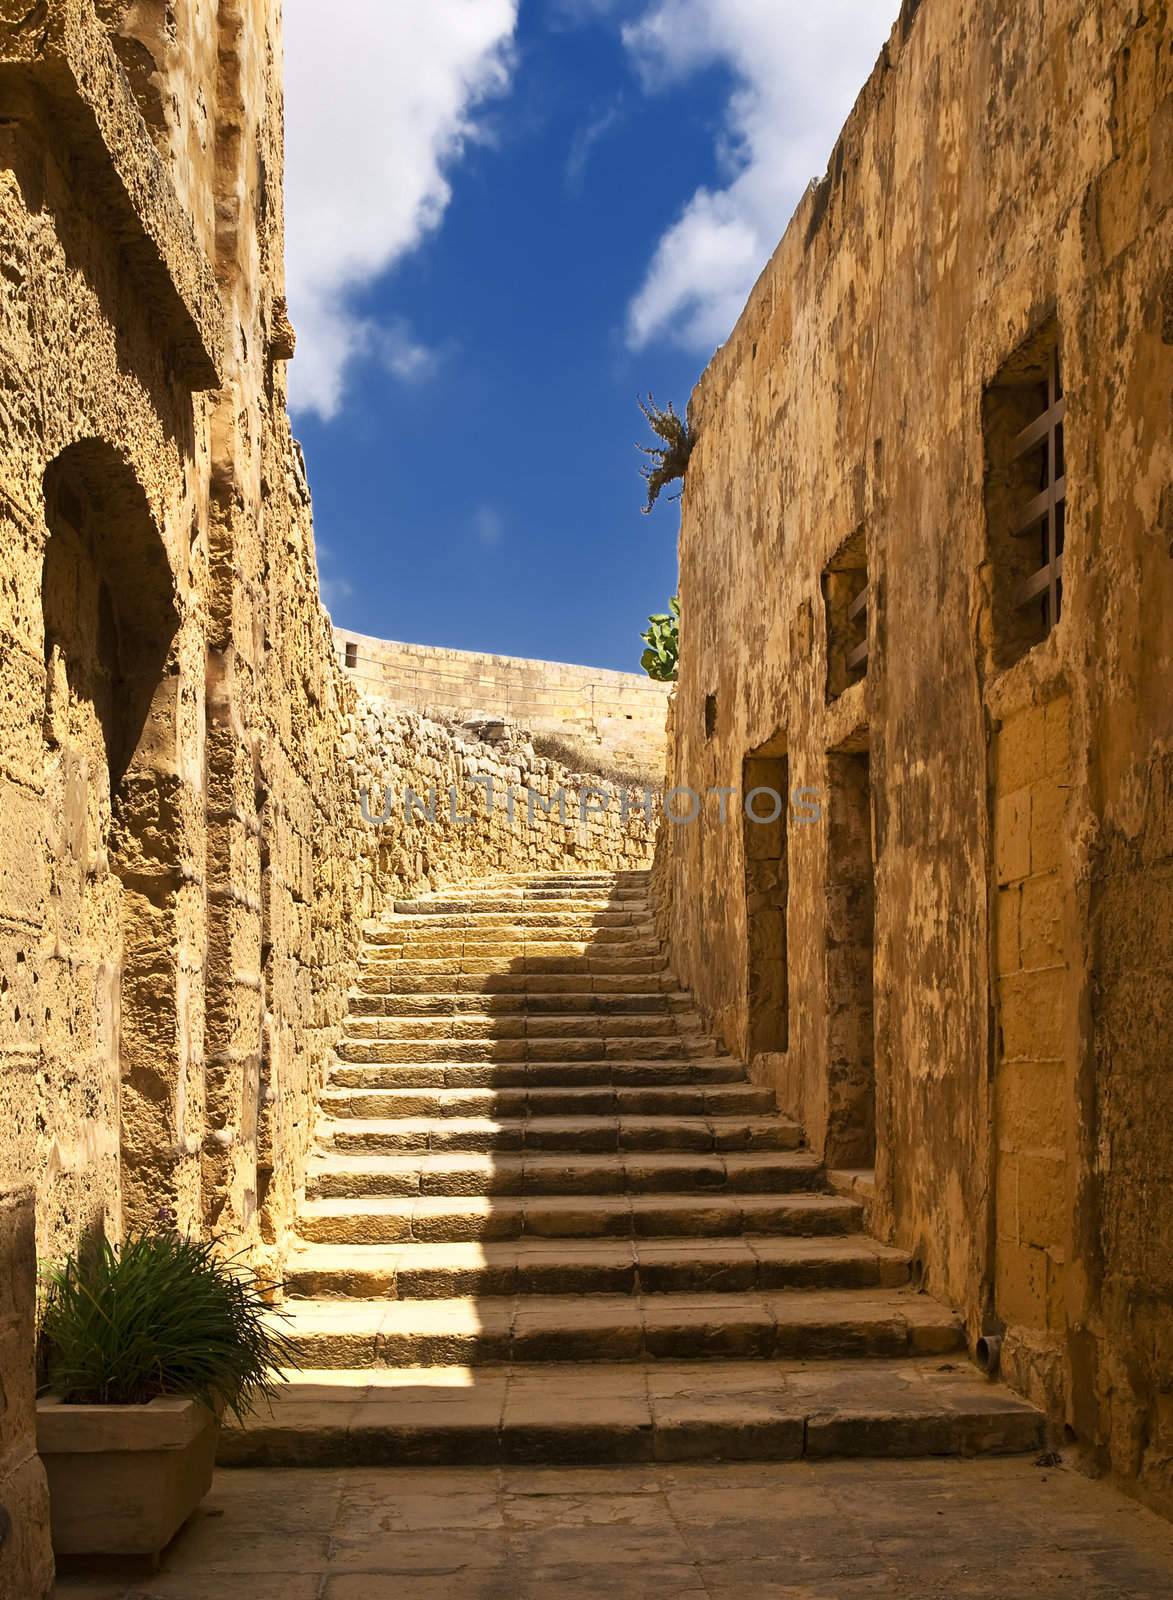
847, 597
351, 654
1026, 495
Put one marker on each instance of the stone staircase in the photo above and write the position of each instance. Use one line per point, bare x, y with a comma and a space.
548, 1220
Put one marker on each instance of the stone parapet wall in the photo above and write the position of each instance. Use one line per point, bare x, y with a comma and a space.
622, 713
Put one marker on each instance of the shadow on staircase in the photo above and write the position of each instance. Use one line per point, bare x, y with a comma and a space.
549, 1221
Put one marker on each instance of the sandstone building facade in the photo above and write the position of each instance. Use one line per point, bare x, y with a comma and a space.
184, 863
927, 575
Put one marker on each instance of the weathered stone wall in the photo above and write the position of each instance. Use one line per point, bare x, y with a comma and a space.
620, 713
995, 973
26, 1564
183, 861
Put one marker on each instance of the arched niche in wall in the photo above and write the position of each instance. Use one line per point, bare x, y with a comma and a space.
111, 779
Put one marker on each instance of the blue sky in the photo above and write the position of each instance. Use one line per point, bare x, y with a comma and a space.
504, 224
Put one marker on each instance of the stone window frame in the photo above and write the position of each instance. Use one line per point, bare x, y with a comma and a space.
1024, 411
766, 845
847, 605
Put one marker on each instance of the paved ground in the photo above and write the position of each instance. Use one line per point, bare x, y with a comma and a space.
942, 1530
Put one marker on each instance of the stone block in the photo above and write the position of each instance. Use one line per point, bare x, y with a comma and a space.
1042, 919
1012, 836
1021, 1276
1057, 738
1047, 833
1031, 1015
1043, 1204
22, 693
26, 1556
23, 879
1020, 747
1031, 1105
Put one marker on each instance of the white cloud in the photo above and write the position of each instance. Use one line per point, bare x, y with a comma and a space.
489, 526
381, 99
798, 67
585, 139
334, 589
402, 354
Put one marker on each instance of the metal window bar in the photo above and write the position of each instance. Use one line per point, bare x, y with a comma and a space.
1045, 514
858, 657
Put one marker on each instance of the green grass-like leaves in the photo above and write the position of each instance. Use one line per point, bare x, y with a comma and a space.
160, 1315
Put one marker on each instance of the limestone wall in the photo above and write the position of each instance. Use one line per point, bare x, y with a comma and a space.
992, 966
621, 713
26, 1563
183, 860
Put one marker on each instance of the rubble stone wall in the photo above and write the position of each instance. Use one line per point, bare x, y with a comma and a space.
620, 713
1005, 180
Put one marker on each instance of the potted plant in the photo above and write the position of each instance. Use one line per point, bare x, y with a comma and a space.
144, 1345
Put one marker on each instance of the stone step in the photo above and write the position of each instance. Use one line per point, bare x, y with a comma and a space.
628, 880
636, 881
662, 1002
474, 1025
334, 1176
505, 952
397, 1219
601, 1266
635, 1412
532, 921
598, 927
562, 897
529, 900
499, 927
391, 979
796, 1325
581, 1135
673, 1100
593, 963
531, 1074
385, 1051
621, 876
471, 920
531, 1156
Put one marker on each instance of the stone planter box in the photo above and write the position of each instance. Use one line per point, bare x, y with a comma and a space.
124, 1479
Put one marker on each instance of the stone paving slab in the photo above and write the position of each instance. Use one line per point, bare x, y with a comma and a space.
940, 1530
